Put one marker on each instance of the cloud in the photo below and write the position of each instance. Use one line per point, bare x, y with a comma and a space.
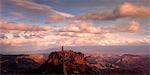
133, 10
134, 26
82, 27
54, 18
80, 34
96, 16
21, 26
124, 10
33, 6
88, 27
80, 39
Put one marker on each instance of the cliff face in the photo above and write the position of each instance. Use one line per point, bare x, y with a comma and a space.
66, 56
66, 62
16, 64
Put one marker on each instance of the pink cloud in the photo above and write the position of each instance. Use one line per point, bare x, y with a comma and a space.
33, 6
21, 26
124, 10
133, 10
82, 27
134, 26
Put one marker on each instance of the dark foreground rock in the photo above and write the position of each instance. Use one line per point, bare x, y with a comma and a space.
11, 64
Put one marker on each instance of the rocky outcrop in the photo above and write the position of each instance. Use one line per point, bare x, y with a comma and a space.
65, 62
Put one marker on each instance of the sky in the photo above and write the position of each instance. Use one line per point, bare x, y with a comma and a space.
73, 23
39, 11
